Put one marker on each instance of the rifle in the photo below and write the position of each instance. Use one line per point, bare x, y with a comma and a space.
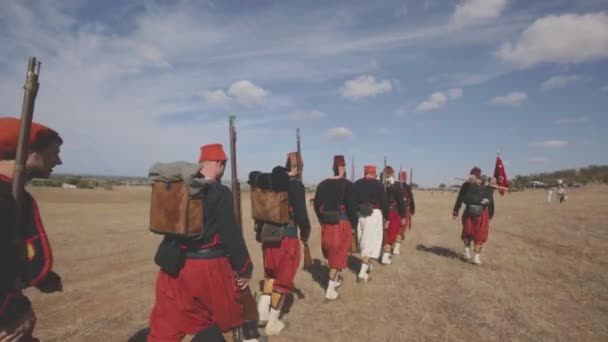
307, 255
352, 170
250, 310
27, 112
299, 154
411, 176
384, 178
235, 184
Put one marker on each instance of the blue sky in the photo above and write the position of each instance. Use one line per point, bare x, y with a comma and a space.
437, 86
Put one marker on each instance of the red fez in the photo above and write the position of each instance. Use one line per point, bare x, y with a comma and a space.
369, 169
403, 176
212, 152
475, 171
339, 161
9, 136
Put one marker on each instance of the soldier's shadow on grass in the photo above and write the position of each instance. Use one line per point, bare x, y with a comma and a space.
354, 264
319, 273
289, 300
140, 336
440, 251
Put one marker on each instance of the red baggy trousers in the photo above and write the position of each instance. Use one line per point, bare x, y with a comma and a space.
394, 227
335, 243
281, 262
204, 293
476, 228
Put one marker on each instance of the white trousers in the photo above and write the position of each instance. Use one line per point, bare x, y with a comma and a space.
369, 234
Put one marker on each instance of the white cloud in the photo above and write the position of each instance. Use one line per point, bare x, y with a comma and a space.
563, 39
243, 92
217, 97
144, 66
550, 144
433, 102
512, 99
247, 93
338, 133
455, 93
538, 160
576, 120
472, 12
438, 99
365, 86
307, 115
154, 55
561, 81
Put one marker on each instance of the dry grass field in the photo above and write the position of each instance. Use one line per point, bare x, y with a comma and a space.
544, 275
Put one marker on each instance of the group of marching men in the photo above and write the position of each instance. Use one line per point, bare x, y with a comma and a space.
373, 214
197, 302
202, 295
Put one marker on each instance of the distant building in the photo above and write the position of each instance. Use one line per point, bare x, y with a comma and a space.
68, 186
536, 185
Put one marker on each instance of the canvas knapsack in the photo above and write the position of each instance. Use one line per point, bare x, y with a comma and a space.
176, 202
269, 196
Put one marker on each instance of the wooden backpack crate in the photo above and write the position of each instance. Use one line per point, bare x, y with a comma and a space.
270, 206
173, 211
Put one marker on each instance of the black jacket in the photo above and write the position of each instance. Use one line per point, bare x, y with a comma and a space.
370, 190
333, 193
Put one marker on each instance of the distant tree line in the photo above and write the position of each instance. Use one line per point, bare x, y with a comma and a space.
78, 181
572, 177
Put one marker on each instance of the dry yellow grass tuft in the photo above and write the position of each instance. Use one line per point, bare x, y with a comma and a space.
544, 274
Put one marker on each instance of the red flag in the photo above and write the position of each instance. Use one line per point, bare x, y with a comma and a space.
501, 176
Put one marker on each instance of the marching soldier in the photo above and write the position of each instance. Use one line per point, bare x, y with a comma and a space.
281, 261
478, 212
410, 209
336, 209
25, 253
203, 298
396, 218
373, 210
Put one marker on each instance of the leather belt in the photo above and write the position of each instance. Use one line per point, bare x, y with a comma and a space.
206, 253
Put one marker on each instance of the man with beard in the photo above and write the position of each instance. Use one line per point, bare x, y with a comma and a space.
25, 253
336, 209
477, 214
